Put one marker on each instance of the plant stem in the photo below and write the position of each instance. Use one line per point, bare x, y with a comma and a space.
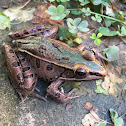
108, 17
104, 16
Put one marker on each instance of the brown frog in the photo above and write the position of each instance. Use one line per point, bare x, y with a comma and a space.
49, 59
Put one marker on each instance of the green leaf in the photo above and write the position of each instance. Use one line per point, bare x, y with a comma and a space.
93, 18
100, 124
99, 35
64, 33
84, 2
86, 11
51, 10
78, 40
106, 32
60, 9
99, 88
76, 84
58, 17
94, 35
73, 30
64, 0
112, 52
104, 2
51, 0
76, 21
4, 21
83, 26
118, 122
97, 41
113, 114
76, 25
76, 12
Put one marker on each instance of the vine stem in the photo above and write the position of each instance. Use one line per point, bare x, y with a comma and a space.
103, 16
26, 4
107, 17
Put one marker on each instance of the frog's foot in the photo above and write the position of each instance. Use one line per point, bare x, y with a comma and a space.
56, 94
39, 97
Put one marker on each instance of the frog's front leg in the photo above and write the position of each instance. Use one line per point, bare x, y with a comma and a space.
22, 77
56, 94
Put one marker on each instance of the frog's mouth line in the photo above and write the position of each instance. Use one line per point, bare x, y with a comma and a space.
88, 77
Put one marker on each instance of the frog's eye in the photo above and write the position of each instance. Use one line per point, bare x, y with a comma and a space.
81, 70
88, 55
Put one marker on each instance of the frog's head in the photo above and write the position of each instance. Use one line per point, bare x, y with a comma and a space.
89, 70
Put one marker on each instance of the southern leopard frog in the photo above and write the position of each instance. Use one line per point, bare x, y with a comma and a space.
49, 59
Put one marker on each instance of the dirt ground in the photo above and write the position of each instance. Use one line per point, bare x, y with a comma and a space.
34, 112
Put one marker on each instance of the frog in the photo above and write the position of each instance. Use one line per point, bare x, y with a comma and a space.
39, 55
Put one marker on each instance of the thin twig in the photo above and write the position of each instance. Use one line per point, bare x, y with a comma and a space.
26, 4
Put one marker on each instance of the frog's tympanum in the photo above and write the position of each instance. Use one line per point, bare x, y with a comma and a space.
50, 60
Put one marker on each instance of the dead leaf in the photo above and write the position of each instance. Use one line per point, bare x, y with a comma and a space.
105, 85
17, 13
112, 90
68, 106
95, 115
115, 78
90, 119
40, 16
88, 106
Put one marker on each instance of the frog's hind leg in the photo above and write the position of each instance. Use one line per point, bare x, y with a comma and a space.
56, 94
22, 76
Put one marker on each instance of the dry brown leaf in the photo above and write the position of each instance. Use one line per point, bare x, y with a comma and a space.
17, 13
40, 16
90, 119
88, 106
115, 78
95, 115
112, 90
108, 85
105, 85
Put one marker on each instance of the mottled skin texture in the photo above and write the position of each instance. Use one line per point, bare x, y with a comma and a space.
50, 60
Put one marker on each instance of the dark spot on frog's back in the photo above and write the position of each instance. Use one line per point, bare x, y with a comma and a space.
42, 48
42, 33
34, 35
16, 35
38, 63
26, 69
65, 58
15, 64
38, 28
25, 32
49, 67
55, 45
19, 76
11, 51
57, 95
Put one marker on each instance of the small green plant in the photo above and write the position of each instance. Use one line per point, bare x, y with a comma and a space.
106, 32
64, 33
77, 25
57, 13
97, 41
4, 21
118, 121
111, 53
